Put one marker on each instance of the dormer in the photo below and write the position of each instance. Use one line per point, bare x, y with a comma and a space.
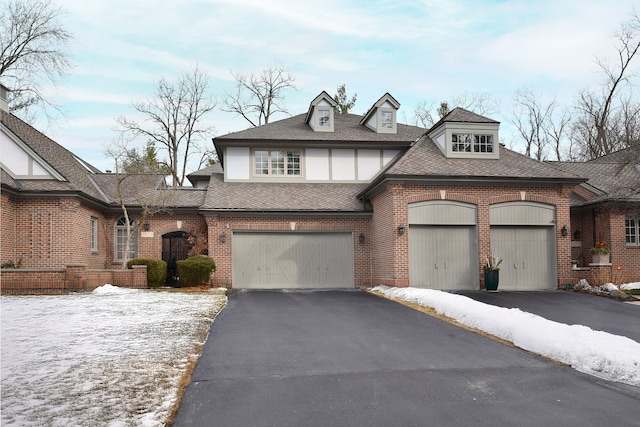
321, 113
381, 117
463, 134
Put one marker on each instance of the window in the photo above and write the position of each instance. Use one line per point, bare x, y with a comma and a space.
386, 119
324, 118
277, 163
121, 239
93, 235
632, 231
462, 143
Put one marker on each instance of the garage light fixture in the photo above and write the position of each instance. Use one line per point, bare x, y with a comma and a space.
223, 238
401, 229
361, 238
565, 230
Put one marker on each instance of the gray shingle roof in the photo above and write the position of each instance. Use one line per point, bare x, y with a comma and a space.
347, 128
282, 197
615, 174
59, 158
426, 159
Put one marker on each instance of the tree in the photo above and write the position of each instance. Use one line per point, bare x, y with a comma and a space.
259, 96
443, 110
532, 118
478, 102
32, 44
605, 121
344, 103
174, 120
139, 184
426, 114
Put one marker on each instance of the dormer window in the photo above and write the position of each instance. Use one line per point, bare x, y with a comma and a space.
381, 117
463, 143
324, 118
386, 119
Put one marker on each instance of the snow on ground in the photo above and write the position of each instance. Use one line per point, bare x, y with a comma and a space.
598, 353
630, 286
113, 357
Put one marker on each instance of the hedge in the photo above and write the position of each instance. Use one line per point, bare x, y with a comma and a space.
196, 270
156, 270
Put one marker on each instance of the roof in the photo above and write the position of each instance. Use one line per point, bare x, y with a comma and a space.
617, 175
75, 171
204, 173
347, 128
282, 197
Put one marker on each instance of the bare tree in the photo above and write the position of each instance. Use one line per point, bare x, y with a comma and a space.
532, 117
600, 126
478, 102
344, 103
258, 96
556, 130
426, 114
32, 44
174, 120
139, 187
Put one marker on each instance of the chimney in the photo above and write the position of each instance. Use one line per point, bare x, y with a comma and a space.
3, 98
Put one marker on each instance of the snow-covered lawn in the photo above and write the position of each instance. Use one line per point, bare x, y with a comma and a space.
598, 353
114, 357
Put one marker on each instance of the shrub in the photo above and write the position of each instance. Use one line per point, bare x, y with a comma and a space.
156, 270
195, 271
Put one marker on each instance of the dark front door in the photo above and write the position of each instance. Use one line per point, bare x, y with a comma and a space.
175, 247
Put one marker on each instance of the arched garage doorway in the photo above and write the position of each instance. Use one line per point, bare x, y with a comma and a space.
175, 247
523, 235
443, 248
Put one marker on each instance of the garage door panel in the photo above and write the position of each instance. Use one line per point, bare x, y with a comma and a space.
292, 260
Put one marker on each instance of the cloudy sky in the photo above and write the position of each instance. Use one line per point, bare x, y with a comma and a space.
417, 50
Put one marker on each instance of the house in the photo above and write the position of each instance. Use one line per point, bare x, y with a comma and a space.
607, 208
317, 200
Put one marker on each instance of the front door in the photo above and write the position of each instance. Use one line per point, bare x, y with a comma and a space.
175, 247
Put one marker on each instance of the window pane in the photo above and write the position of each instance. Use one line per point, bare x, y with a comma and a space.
387, 119
277, 163
631, 231
293, 163
324, 116
93, 239
262, 162
121, 239
483, 143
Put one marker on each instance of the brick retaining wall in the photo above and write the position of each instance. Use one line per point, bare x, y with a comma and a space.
73, 278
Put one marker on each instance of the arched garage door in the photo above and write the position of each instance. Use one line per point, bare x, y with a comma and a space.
523, 235
443, 250
277, 260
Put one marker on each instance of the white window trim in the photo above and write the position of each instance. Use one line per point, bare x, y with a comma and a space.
93, 234
269, 175
133, 247
636, 231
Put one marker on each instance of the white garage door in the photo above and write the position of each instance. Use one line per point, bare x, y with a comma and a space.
292, 260
523, 235
443, 257
443, 253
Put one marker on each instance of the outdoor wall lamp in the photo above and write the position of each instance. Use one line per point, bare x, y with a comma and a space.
565, 230
146, 226
401, 229
361, 238
223, 238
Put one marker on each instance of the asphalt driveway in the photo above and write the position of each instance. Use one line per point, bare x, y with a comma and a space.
572, 308
349, 358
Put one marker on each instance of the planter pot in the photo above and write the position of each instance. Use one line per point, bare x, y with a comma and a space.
491, 278
600, 258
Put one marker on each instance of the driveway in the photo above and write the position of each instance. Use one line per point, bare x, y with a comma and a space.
572, 308
349, 358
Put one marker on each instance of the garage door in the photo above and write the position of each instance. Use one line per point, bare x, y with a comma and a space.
523, 235
292, 260
443, 252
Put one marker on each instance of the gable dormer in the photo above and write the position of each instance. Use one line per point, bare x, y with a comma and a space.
463, 134
381, 117
321, 113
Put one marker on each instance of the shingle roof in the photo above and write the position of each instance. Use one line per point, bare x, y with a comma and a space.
615, 174
426, 159
216, 168
282, 197
347, 128
75, 172
148, 189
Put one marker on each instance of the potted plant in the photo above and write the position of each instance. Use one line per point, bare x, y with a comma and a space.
491, 272
600, 252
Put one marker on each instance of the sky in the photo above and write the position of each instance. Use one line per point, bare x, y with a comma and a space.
428, 50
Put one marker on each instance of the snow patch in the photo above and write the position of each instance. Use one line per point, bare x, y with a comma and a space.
605, 355
108, 289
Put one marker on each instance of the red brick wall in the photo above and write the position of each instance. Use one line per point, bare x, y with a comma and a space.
69, 279
222, 252
391, 210
8, 226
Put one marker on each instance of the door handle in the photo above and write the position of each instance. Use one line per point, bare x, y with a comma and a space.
515, 266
